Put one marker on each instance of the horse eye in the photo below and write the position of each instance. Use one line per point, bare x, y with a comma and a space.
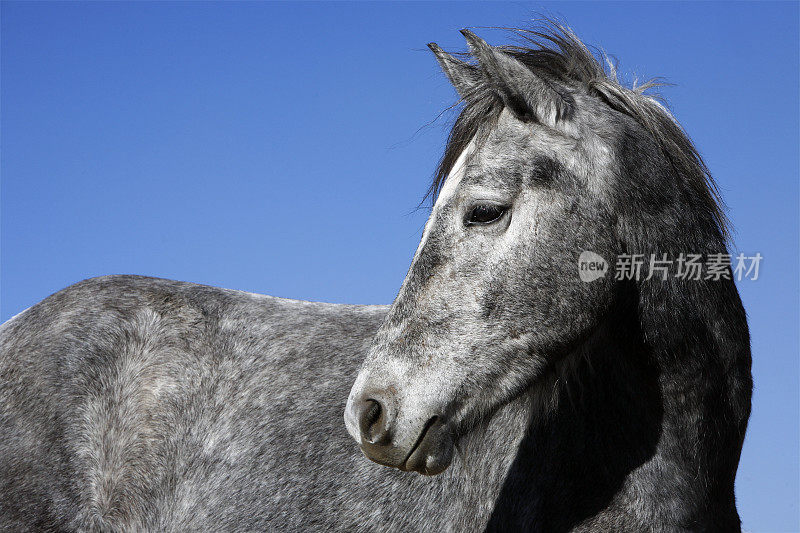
484, 214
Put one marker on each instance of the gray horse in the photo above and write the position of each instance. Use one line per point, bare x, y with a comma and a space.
531, 395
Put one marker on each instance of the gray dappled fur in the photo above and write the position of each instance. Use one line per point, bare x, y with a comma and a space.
541, 403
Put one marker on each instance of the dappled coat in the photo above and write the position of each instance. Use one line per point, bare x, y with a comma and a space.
500, 391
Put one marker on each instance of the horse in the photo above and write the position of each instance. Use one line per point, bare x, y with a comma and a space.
513, 385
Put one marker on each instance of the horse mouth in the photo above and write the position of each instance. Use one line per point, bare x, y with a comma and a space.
431, 453
433, 450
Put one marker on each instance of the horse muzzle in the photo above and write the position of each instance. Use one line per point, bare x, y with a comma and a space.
421, 444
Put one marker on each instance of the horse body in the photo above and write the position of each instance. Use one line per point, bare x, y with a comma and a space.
529, 398
134, 403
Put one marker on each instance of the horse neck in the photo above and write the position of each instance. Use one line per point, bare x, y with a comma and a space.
625, 422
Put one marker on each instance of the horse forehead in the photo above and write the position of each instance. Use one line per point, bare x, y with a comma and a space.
448, 191
514, 145
457, 173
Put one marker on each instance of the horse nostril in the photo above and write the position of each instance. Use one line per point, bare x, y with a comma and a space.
372, 413
372, 422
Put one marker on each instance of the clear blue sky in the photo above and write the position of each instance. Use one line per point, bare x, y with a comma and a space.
277, 148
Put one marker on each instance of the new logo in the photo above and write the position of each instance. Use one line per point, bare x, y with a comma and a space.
591, 266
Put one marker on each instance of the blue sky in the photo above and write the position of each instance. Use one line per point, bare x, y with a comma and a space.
284, 148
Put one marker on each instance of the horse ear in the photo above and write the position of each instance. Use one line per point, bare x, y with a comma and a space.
523, 92
464, 77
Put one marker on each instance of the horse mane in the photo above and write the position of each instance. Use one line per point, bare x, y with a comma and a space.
554, 53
